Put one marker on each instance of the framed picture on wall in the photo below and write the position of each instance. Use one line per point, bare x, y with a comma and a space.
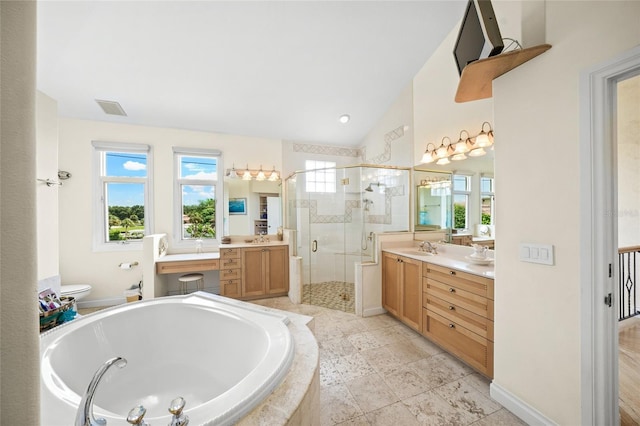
237, 206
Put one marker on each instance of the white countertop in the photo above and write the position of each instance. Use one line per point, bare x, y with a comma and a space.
449, 256
183, 257
243, 245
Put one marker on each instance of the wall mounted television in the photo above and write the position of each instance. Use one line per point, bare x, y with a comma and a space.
479, 36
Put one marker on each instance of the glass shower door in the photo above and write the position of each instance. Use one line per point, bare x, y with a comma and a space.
327, 216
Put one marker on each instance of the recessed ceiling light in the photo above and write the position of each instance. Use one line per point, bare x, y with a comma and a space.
344, 118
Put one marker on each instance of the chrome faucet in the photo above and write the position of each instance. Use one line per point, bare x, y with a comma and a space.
84, 416
427, 247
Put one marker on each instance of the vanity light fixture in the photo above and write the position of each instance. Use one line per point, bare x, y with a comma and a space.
484, 139
428, 156
274, 175
443, 150
232, 173
260, 176
253, 174
478, 152
469, 146
247, 174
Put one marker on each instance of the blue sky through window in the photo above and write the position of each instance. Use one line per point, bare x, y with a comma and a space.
198, 168
125, 164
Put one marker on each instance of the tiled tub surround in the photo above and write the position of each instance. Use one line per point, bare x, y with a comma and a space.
377, 371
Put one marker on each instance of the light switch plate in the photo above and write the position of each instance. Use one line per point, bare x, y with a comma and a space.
537, 253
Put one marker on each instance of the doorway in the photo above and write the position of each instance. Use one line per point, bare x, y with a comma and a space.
628, 190
599, 237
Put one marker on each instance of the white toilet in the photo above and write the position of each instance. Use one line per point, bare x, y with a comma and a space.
77, 291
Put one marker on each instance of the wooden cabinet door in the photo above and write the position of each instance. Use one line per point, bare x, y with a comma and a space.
391, 283
411, 292
277, 273
253, 272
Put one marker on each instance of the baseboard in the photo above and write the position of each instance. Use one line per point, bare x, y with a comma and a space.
518, 407
373, 311
97, 303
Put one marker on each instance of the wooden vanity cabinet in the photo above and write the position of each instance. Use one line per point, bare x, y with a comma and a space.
230, 272
457, 309
265, 271
402, 289
254, 272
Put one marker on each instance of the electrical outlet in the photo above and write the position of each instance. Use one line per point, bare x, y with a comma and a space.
537, 253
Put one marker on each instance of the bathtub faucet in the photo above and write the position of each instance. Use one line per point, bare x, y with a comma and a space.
175, 408
84, 417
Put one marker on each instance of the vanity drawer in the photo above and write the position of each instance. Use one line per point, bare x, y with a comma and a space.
468, 346
230, 288
462, 280
228, 253
477, 323
230, 262
457, 296
179, 266
230, 274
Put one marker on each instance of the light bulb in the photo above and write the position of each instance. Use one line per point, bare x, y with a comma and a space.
478, 152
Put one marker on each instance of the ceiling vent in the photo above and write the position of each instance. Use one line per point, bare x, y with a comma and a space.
111, 107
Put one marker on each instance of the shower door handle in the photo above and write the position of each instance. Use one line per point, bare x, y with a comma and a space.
314, 246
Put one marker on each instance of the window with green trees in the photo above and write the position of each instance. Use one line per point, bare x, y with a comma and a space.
487, 200
460, 196
196, 183
122, 192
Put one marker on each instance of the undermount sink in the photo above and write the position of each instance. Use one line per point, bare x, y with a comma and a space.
418, 253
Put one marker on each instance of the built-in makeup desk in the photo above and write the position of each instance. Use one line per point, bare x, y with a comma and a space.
188, 262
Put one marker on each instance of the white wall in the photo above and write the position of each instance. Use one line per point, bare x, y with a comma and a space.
390, 142
537, 309
47, 196
629, 162
78, 262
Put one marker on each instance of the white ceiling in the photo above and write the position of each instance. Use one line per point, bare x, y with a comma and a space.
282, 70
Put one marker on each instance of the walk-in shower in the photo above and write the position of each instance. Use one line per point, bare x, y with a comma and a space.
337, 212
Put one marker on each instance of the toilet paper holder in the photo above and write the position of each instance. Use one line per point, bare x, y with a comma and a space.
127, 265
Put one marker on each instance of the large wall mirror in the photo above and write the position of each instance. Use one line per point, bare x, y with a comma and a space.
468, 194
252, 207
432, 200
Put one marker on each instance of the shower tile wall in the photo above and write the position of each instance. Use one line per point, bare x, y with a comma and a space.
335, 220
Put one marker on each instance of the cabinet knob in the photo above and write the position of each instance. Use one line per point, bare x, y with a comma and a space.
452, 272
452, 290
452, 308
452, 326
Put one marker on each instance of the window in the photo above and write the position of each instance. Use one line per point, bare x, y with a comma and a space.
122, 194
321, 176
196, 186
461, 191
487, 200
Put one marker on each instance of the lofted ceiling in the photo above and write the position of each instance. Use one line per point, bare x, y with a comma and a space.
281, 70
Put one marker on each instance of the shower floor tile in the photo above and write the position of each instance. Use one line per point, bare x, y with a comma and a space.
330, 294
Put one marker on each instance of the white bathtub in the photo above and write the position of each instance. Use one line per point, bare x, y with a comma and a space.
221, 355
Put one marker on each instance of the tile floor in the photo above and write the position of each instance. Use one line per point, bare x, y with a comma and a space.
377, 371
